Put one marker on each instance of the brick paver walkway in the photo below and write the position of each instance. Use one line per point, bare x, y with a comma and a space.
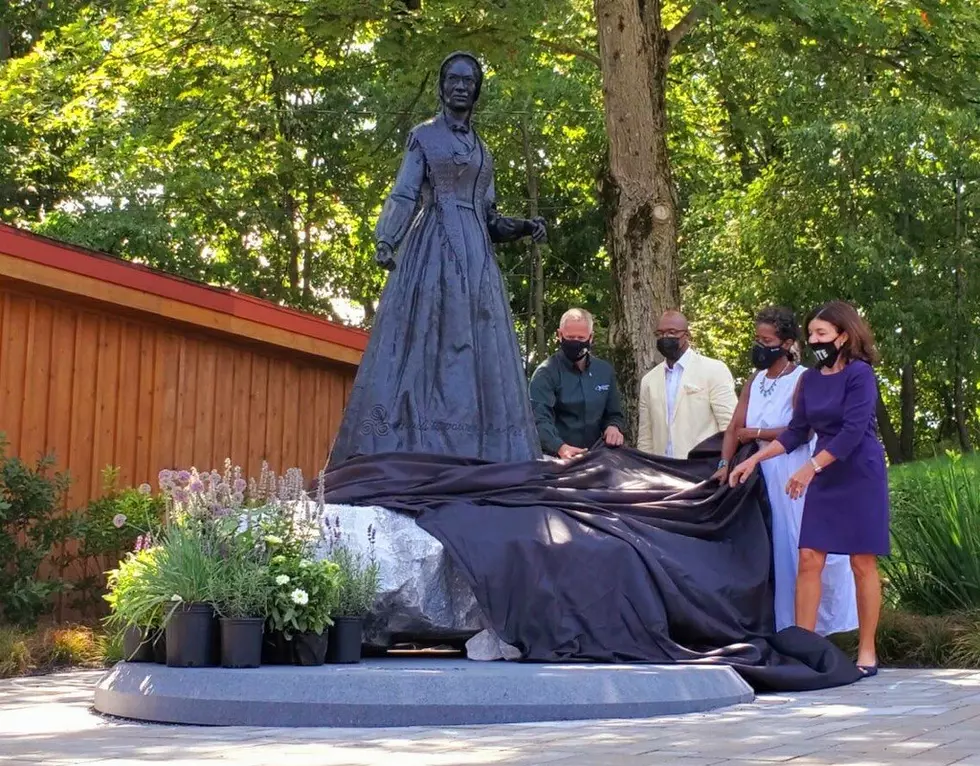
929, 718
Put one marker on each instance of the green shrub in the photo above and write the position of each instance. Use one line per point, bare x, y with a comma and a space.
935, 562
304, 594
108, 527
32, 524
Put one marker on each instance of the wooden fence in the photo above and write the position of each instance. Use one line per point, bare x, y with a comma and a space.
105, 362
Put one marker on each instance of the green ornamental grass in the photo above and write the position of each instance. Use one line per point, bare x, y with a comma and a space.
935, 562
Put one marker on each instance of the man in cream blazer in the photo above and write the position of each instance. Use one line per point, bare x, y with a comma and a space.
685, 399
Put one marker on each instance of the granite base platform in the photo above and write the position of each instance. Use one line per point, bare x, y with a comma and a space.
393, 692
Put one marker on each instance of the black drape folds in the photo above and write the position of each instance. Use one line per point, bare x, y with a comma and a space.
617, 556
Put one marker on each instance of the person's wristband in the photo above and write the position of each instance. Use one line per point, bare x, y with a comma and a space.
816, 465
723, 463
758, 433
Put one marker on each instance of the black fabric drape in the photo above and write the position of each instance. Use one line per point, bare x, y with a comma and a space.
616, 557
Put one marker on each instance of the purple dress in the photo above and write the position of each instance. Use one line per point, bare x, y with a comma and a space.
846, 507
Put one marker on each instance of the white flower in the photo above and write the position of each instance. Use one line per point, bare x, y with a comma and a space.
282, 579
175, 597
273, 540
300, 597
145, 489
303, 564
119, 520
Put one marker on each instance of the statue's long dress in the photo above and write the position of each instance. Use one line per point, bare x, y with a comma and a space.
442, 372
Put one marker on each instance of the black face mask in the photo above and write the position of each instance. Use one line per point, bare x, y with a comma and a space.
764, 357
575, 349
670, 348
825, 353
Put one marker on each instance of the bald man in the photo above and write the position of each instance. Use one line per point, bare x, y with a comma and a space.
685, 399
574, 395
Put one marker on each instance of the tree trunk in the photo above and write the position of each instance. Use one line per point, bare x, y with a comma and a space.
537, 261
638, 191
369, 312
962, 320
886, 429
6, 51
308, 241
908, 412
289, 210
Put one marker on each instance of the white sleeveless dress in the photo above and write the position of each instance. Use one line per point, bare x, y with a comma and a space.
838, 604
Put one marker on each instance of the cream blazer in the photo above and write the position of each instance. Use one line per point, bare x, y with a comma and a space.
704, 405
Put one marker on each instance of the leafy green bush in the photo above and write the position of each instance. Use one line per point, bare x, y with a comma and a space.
935, 562
107, 528
304, 594
134, 594
32, 524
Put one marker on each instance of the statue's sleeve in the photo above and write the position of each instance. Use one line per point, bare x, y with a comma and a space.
501, 228
399, 209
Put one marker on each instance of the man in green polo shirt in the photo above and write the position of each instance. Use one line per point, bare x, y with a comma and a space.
574, 395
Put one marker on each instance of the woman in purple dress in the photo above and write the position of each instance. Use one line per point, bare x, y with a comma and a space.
846, 486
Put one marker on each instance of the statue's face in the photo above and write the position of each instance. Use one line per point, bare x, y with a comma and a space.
459, 85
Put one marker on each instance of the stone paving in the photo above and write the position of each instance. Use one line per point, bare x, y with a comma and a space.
930, 718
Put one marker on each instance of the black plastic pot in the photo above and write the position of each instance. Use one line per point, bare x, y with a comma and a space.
138, 644
241, 642
309, 648
345, 640
192, 637
159, 641
276, 650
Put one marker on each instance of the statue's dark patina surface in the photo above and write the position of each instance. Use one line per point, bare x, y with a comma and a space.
442, 372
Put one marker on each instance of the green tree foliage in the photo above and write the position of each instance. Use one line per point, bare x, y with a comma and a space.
820, 148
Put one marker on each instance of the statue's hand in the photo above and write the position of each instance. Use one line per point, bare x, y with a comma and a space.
539, 230
385, 256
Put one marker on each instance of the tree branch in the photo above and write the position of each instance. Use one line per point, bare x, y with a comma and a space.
405, 113
677, 32
568, 50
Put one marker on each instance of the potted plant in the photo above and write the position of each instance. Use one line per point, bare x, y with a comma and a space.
241, 593
218, 535
136, 606
304, 593
358, 576
187, 570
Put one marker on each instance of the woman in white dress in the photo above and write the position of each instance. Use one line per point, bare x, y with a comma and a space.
764, 410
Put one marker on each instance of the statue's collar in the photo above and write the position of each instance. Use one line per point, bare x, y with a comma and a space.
455, 124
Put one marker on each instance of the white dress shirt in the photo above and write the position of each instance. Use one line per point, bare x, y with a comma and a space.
672, 376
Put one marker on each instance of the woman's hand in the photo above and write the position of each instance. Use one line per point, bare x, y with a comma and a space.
385, 256
741, 473
721, 475
746, 435
799, 481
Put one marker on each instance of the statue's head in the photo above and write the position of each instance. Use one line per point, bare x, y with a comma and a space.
460, 81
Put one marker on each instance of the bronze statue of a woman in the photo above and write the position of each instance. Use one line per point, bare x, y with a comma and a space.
442, 372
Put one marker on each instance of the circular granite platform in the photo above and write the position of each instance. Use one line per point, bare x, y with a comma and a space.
413, 692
